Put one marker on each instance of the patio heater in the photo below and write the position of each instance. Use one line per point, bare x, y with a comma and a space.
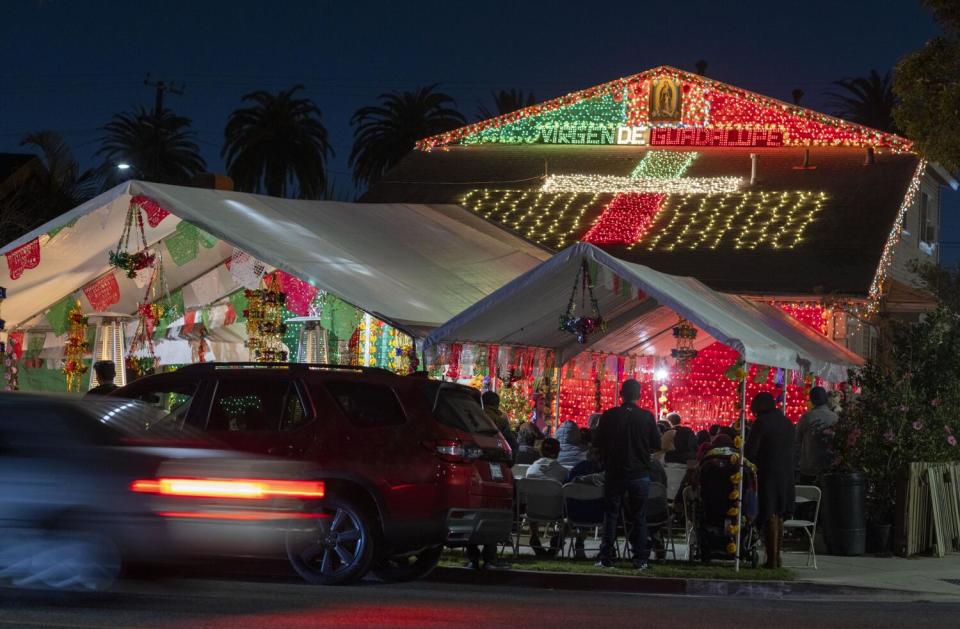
312, 342
109, 344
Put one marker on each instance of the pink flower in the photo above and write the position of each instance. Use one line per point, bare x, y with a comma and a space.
917, 425
947, 429
852, 437
889, 436
904, 408
952, 440
935, 402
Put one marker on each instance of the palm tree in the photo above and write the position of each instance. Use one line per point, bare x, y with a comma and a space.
384, 133
504, 102
278, 145
157, 145
61, 186
866, 100
49, 191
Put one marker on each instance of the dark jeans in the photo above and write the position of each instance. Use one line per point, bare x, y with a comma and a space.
489, 553
636, 513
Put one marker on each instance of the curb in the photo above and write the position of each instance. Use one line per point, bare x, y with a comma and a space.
654, 585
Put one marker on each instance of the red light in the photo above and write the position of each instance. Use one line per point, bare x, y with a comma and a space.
239, 488
248, 516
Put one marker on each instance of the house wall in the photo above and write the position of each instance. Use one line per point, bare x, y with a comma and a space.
914, 244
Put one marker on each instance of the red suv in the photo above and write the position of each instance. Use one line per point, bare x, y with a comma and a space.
409, 464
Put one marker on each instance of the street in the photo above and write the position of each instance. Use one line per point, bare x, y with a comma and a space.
280, 602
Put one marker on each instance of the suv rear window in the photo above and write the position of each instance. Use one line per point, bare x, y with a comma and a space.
459, 408
367, 405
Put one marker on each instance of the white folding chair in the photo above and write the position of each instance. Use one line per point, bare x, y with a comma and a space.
582, 493
676, 472
543, 501
519, 471
805, 494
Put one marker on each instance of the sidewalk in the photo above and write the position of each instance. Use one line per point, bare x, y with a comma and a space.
926, 575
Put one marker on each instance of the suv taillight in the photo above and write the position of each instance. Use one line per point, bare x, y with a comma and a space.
456, 451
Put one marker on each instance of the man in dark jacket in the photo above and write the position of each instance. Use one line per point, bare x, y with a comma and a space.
106, 372
770, 447
626, 435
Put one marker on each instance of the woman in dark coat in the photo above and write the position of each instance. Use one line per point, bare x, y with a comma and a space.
770, 448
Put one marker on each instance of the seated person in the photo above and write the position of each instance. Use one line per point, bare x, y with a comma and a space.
526, 444
546, 468
684, 446
572, 448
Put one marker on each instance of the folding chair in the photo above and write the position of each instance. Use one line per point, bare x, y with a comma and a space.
519, 471
689, 521
657, 498
806, 494
584, 508
543, 500
676, 472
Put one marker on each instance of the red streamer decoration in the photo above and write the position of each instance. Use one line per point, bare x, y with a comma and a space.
103, 293
155, 213
26, 256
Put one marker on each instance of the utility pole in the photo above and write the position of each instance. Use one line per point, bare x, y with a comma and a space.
161, 88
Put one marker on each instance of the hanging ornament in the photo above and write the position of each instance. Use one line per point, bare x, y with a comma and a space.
683, 353
582, 326
265, 327
155, 306
75, 348
131, 261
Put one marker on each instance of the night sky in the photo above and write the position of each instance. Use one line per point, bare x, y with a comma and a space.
69, 65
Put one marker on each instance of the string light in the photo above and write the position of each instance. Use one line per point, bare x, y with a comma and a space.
749, 220
738, 138
889, 248
613, 184
625, 219
706, 104
664, 164
553, 220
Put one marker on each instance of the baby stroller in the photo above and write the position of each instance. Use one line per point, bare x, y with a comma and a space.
713, 500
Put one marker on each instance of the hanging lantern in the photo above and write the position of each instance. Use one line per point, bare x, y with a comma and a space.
582, 325
683, 353
109, 344
75, 349
312, 343
130, 260
265, 327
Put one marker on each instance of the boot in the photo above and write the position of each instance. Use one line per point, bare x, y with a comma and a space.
770, 533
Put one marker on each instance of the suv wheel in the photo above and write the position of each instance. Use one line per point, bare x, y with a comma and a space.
408, 567
338, 549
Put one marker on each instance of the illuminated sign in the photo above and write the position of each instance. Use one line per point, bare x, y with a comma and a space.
716, 137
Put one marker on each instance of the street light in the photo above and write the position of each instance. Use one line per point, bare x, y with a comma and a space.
123, 166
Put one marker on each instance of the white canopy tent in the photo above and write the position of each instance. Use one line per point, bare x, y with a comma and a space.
413, 266
526, 312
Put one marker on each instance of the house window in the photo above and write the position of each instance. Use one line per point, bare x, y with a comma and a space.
928, 227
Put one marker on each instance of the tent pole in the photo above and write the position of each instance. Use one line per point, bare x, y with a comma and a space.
743, 438
786, 387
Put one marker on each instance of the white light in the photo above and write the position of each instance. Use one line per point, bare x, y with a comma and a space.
614, 185
123, 166
660, 375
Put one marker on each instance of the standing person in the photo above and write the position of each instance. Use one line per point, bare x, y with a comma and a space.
626, 435
814, 456
491, 407
105, 372
770, 448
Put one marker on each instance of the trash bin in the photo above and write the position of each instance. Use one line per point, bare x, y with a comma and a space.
843, 513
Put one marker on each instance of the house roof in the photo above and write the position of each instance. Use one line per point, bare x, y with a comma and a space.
850, 206
656, 168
